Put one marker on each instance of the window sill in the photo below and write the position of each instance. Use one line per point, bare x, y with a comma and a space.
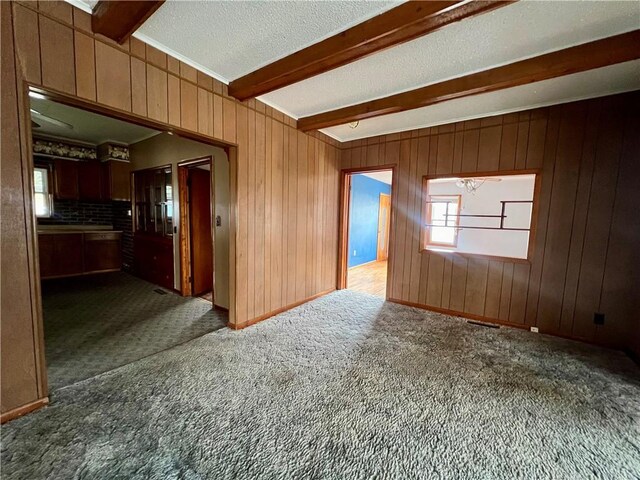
451, 251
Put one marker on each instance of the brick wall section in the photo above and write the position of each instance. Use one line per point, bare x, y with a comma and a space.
74, 212
122, 221
115, 214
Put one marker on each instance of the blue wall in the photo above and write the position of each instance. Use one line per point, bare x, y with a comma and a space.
363, 218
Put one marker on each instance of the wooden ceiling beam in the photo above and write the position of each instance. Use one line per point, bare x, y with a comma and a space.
398, 25
587, 56
118, 19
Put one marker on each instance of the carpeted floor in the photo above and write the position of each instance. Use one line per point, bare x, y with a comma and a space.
97, 323
345, 387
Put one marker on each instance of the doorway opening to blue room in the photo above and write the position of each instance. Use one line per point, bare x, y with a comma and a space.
368, 229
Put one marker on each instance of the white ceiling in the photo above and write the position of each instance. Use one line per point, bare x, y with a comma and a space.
233, 38
228, 39
384, 176
495, 38
87, 127
618, 78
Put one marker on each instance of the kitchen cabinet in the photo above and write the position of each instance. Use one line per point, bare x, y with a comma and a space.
66, 180
102, 251
153, 259
65, 254
90, 179
116, 182
60, 254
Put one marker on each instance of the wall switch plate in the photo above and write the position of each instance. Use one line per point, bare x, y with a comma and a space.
354, 253
534, 329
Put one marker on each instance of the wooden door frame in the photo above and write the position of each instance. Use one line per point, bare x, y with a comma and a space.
389, 231
186, 280
343, 230
27, 164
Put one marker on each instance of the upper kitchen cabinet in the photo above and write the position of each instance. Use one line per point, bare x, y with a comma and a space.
116, 171
66, 179
87, 173
90, 180
116, 180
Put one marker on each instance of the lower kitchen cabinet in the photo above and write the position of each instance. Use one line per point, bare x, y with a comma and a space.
78, 253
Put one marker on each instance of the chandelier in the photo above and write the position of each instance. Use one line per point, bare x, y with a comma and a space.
469, 184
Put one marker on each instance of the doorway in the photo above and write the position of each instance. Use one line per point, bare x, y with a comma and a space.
366, 220
197, 195
105, 222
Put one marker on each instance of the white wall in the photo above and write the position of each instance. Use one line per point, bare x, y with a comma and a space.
486, 201
167, 149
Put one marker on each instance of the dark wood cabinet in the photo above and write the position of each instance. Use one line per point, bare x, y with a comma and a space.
78, 253
66, 180
153, 259
115, 181
60, 254
90, 180
102, 251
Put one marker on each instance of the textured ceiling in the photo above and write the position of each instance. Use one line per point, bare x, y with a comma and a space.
87, 126
233, 38
603, 81
228, 39
508, 34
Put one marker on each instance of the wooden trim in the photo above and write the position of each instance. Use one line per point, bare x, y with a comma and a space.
394, 27
91, 106
424, 245
31, 222
343, 227
118, 19
454, 313
279, 310
495, 173
184, 233
580, 58
495, 321
23, 410
184, 229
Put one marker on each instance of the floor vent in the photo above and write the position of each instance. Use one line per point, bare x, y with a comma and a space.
159, 291
481, 324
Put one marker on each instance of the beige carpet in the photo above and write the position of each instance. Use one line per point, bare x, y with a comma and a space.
345, 387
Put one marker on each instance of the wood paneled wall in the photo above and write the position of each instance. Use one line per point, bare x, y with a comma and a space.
586, 257
285, 181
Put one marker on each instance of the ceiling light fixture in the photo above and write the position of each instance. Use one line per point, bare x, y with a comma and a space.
469, 184
51, 120
354, 124
37, 95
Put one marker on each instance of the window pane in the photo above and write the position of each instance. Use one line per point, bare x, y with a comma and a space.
42, 205
443, 235
40, 180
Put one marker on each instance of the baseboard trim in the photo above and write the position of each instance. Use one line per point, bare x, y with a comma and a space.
279, 310
23, 410
455, 313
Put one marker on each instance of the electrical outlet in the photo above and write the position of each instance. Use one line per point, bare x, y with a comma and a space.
598, 318
534, 329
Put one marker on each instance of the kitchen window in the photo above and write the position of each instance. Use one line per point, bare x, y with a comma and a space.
42, 195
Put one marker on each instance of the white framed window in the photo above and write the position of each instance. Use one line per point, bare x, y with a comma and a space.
442, 220
42, 195
490, 215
